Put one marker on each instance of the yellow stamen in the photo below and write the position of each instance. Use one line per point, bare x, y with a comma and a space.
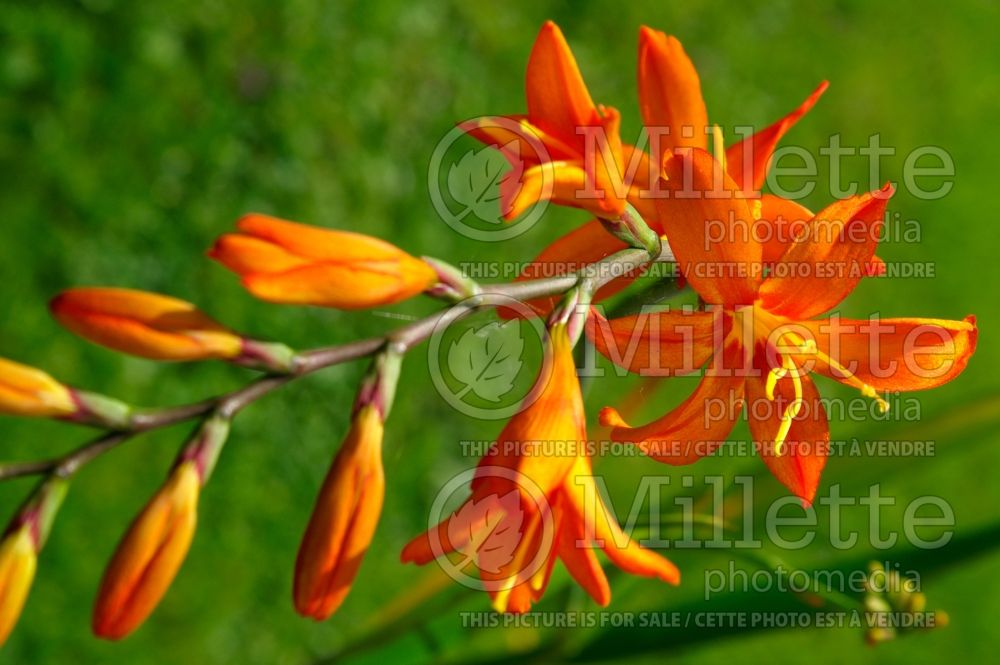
718, 146
789, 369
844, 374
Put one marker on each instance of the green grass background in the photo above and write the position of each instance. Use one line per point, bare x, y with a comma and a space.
132, 134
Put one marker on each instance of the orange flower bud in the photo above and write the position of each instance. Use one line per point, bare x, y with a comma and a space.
343, 521
18, 560
144, 324
26, 391
149, 556
298, 264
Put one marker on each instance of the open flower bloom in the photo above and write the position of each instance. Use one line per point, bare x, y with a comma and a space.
533, 501
299, 264
675, 116
566, 149
18, 560
144, 324
26, 391
761, 335
343, 521
149, 556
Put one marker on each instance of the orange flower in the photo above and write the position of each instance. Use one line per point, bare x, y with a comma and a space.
149, 556
761, 333
144, 324
534, 501
565, 149
18, 560
675, 116
298, 264
26, 391
343, 521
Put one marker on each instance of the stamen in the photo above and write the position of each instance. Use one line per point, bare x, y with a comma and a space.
772, 380
718, 146
844, 374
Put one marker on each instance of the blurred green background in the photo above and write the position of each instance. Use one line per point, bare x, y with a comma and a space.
132, 134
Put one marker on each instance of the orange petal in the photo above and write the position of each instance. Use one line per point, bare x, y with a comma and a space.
358, 286
562, 182
553, 420
709, 229
695, 428
315, 243
585, 506
246, 254
670, 99
534, 145
581, 561
658, 344
828, 259
779, 225
804, 451
558, 100
584, 245
895, 354
747, 161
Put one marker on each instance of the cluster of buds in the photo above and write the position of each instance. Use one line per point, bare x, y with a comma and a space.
753, 334
278, 261
895, 605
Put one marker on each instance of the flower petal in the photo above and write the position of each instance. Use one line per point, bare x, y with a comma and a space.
670, 99
357, 286
666, 343
585, 506
747, 161
579, 556
558, 99
895, 354
779, 225
828, 259
708, 227
534, 145
695, 428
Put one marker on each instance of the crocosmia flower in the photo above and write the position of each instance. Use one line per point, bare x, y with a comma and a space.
343, 521
760, 334
144, 324
26, 391
565, 149
675, 116
287, 262
534, 501
149, 556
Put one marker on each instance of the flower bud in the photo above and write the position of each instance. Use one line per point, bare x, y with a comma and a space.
19, 549
26, 391
144, 324
149, 556
18, 560
343, 520
298, 264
